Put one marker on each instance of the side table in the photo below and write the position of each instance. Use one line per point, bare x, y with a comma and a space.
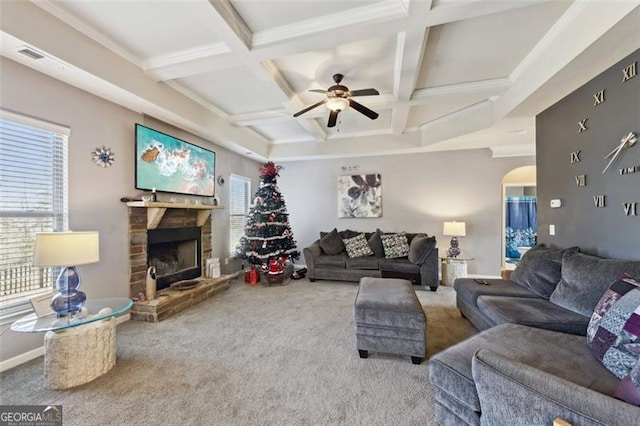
453, 268
77, 348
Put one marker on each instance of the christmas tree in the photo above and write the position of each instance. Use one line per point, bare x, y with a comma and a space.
267, 233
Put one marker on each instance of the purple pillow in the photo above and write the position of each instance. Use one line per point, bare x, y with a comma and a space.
628, 391
613, 334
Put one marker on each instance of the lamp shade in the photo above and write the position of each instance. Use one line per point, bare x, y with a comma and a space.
66, 248
456, 229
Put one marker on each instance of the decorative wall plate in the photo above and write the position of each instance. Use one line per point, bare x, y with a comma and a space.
103, 157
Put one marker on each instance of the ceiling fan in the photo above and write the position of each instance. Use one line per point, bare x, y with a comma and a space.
339, 98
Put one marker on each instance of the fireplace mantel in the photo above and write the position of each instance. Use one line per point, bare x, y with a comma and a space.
156, 210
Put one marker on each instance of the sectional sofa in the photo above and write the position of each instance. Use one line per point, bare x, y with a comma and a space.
532, 363
328, 259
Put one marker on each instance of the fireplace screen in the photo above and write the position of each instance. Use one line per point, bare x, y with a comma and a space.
175, 253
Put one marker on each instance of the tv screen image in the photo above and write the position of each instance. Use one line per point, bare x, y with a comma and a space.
170, 164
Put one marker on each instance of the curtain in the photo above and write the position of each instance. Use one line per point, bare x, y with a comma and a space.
521, 224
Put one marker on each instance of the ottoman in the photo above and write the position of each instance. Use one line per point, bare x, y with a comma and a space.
389, 318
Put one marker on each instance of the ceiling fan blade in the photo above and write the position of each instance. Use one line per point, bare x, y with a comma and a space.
309, 108
318, 91
333, 117
364, 92
363, 109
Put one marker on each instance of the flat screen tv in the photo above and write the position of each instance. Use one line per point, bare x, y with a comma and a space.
170, 164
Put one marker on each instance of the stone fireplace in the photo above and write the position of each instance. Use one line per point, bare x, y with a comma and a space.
176, 239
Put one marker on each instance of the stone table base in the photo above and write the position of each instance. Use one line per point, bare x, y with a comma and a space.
80, 354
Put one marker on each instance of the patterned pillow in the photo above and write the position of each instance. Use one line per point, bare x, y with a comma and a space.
357, 246
613, 334
395, 245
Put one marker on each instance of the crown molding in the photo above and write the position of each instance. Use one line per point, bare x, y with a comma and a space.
502, 151
494, 86
186, 55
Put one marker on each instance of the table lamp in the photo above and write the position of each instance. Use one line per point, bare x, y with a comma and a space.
67, 249
455, 230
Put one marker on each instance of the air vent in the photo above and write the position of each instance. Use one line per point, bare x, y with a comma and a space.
27, 51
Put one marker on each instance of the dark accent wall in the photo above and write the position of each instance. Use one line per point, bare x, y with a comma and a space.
607, 231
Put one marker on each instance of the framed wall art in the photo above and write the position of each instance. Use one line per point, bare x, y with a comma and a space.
360, 196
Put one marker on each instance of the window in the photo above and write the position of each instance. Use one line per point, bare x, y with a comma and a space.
33, 198
239, 202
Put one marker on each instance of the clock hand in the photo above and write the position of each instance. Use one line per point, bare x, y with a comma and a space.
618, 150
630, 139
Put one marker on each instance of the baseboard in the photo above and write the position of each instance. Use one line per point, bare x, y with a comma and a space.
21, 359
35, 353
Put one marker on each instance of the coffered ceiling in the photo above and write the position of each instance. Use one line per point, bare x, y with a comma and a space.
452, 74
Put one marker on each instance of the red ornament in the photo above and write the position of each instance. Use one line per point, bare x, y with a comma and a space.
272, 217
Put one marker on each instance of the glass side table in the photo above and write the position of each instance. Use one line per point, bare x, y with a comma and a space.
79, 348
453, 268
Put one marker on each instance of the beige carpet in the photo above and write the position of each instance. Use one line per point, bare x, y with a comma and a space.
254, 356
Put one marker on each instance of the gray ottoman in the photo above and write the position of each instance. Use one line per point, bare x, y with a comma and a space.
389, 318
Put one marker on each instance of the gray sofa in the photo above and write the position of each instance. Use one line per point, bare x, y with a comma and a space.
326, 259
531, 363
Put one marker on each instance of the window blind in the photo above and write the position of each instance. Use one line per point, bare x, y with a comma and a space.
33, 198
239, 202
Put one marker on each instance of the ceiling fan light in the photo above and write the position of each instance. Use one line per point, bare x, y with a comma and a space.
337, 104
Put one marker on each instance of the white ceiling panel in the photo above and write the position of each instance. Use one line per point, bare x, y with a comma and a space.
283, 131
487, 47
438, 108
235, 90
148, 28
351, 121
265, 15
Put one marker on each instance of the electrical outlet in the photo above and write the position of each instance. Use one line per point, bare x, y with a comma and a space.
552, 230
226, 260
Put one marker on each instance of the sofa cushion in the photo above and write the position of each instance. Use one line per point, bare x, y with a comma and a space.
400, 264
540, 269
533, 312
420, 248
614, 330
357, 246
585, 279
369, 262
332, 261
348, 233
375, 242
395, 245
331, 243
468, 290
563, 355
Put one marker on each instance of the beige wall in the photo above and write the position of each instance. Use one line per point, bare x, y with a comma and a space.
94, 192
419, 192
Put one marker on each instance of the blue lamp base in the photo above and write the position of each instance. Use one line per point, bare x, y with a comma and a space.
70, 300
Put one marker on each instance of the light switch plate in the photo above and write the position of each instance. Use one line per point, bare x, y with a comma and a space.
555, 203
552, 230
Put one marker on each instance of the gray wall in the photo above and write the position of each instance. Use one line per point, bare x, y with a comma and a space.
419, 192
607, 231
94, 192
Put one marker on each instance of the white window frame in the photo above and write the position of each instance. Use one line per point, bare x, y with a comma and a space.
12, 305
236, 211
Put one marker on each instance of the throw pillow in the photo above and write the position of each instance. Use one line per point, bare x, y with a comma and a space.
375, 242
331, 243
628, 389
420, 248
585, 278
357, 246
613, 334
395, 245
540, 270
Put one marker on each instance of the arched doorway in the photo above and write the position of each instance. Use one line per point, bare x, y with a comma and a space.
519, 198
